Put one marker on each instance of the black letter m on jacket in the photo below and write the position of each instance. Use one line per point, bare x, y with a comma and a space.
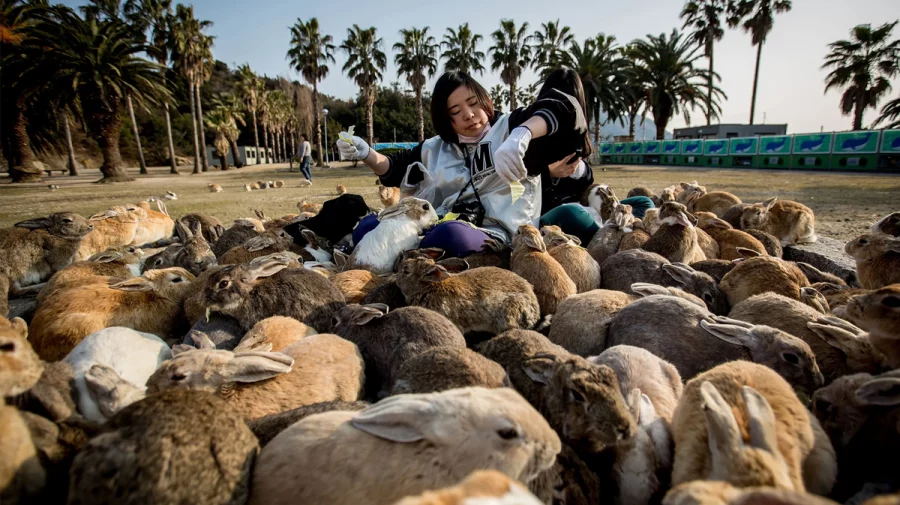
482, 159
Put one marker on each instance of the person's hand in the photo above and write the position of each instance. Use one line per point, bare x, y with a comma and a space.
358, 150
508, 159
564, 167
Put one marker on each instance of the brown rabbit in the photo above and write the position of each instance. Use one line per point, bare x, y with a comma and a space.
118, 262
689, 191
341, 189
114, 227
889, 224
575, 260
211, 227
879, 313
601, 198
195, 255
606, 241
33, 250
531, 260
706, 243
676, 239
389, 196
306, 206
761, 275
214, 188
717, 202
877, 258
728, 238
790, 222
482, 299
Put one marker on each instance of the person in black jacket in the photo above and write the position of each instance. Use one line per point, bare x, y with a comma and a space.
564, 180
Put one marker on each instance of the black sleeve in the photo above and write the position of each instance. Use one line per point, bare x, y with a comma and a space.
560, 110
400, 162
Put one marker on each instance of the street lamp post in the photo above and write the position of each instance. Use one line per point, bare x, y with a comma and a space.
325, 113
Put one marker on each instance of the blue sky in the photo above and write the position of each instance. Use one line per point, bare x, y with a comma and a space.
791, 83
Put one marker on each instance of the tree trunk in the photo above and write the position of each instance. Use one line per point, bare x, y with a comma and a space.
370, 106
107, 135
256, 139
173, 169
631, 118
316, 125
284, 150
755, 81
293, 146
25, 167
859, 109
223, 159
419, 114
204, 162
512, 95
266, 140
194, 128
137, 136
235, 153
73, 170
709, 82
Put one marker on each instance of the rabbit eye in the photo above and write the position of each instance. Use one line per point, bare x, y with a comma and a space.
863, 241
178, 377
575, 396
707, 298
791, 358
67, 220
224, 284
891, 301
425, 206
508, 433
8, 347
335, 321
176, 280
822, 405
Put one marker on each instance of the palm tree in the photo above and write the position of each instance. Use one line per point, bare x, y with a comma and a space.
417, 59
249, 86
462, 52
664, 68
890, 114
549, 43
511, 54
499, 95
204, 72
528, 93
265, 104
153, 15
365, 63
188, 46
759, 23
220, 123
705, 17
864, 65
95, 64
310, 53
232, 108
17, 19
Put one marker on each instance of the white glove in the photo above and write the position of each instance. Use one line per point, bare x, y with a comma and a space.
358, 150
508, 159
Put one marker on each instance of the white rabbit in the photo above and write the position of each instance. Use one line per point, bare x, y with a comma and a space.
397, 231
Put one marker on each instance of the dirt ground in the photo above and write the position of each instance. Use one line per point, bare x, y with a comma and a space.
845, 204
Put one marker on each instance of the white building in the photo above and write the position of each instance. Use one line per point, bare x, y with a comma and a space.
247, 154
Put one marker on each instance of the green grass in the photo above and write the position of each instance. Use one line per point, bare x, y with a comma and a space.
845, 204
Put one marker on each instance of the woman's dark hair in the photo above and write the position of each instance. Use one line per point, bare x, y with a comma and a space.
445, 86
567, 80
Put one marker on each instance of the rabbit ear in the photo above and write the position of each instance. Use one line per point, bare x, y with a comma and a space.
100, 216
532, 242
747, 253
722, 427
398, 419
106, 257
395, 211
646, 289
133, 284
256, 366
197, 229
454, 264
492, 244
261, 215
182, 231
680, 273
35, 224
761, 420
647, 411
884, 392
364, 314
574, 239
540, 368
769, 203
685, 186
719, 223
201, 340
340, 258
266, 268
432, 253
436, 273
180, 348
894, 245
309, 235
730, 333
258, 243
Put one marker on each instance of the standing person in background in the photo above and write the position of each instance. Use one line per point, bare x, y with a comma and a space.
305, 156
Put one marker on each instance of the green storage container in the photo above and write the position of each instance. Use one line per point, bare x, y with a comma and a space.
742, 151
811, 151
671, 151
635, 153
715, 153
855, 150
774, 152
889, 150
652, 150
606, 149
691, 152
619, 152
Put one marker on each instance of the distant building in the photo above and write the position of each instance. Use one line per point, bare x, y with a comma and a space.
727, 131
248, 155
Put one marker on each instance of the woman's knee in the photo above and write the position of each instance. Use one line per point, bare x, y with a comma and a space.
573, 220
457, 239
639, 205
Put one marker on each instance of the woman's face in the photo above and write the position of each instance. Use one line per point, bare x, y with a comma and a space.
466, 114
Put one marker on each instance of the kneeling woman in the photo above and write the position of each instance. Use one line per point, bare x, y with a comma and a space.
468, 172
